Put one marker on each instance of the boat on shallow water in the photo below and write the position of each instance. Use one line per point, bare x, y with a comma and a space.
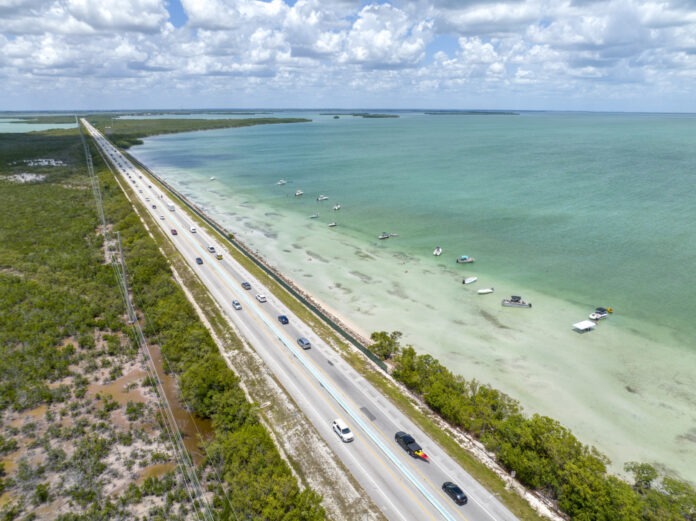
437, 251
331, 225
469, 280
600, 313
314, 216
337, 207
298, 193
464, 259
516, 302
322, 197
281, 182
383, 235
485, 291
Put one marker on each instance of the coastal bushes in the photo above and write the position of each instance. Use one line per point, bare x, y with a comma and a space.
125, 133
544, 455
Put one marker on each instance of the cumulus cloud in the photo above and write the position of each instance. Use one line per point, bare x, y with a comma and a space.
316, 49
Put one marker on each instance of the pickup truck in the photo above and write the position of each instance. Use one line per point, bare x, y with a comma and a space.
409, 445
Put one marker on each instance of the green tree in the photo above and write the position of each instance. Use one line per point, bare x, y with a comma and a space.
385, 345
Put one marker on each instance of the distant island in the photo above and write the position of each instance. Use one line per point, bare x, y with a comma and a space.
358, 114
472, 113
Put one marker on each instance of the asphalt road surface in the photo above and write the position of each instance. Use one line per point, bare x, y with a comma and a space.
322, 384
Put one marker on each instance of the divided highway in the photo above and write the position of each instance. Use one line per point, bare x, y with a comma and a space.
323, 385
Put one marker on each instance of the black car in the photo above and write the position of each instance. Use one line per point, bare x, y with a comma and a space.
456, 493
283, 319
199, 260
246, 285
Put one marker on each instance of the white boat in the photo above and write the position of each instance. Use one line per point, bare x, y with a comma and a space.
322, 197
314, 216
383, 235
485, 291
437, 251
469, 280
516, 302
464, 259
600, 313
298, 193
281, 182
584, 326
337, 207
212, 178
331, 225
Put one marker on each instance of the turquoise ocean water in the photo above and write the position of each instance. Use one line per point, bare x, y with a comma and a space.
574, 210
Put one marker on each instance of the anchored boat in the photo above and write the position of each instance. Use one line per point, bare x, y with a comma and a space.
516, 302
464, 259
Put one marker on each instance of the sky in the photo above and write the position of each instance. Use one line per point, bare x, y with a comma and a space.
606, 55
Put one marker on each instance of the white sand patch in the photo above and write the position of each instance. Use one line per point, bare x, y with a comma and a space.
26, 177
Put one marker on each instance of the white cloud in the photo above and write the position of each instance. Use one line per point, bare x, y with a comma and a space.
345, 50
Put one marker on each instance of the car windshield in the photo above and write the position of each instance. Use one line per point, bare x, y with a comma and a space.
345, 430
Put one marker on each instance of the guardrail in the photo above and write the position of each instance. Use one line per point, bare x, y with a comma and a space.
229, 237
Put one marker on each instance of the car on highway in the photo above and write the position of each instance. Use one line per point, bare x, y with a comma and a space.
342, 430
246, 285
236, 305
456, 493
174, 232
154, 207
161, 217
261, 297
304, 343
283, 319
409, 444
199, 260
193, 229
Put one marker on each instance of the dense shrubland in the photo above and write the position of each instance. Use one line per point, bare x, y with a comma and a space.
544, 455
126, 133
63, 331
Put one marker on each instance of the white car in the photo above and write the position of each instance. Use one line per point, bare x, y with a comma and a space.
193, 229
342, 430
261, 298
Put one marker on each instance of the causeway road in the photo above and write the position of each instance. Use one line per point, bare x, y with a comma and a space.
323, 385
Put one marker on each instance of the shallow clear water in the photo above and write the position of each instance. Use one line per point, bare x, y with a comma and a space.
572, 211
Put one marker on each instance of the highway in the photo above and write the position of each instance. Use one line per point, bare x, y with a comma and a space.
323, 385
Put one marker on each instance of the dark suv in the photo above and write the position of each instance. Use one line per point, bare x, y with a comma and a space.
246, 285
456, 493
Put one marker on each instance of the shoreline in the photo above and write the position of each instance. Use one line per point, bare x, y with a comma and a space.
615, 388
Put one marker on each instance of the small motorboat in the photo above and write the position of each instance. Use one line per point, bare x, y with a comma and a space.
322, 197
464, 259
383, 235
212, 178
485, 291
298, 193
331, 225
337, 207
516, 302
314, 216
437, 251
281, 182
600, 313
469, 280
